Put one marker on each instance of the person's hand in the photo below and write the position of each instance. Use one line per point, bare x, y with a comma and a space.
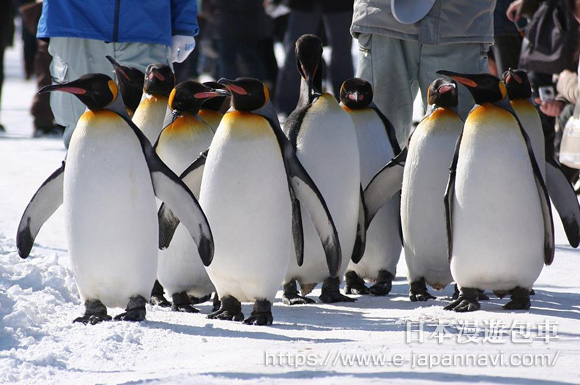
552, 108
513, 11
181, 47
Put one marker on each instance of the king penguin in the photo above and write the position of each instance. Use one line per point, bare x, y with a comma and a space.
559, 188
130, 81
179, 145
153, 109
499, 222
250, 178
108, 190
430, 150
212, 109
377, 143
324, 138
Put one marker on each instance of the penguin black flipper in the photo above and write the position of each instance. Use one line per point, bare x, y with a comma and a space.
549, 243
564, 200
43, 204
293, 124
297, 229
306, 191
361, 230
168, 222
171, 190
448, 197
389, 128
384, 185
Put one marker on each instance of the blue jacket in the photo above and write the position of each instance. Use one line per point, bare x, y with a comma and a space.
144, 21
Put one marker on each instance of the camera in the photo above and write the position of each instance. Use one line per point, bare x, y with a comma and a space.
546, 93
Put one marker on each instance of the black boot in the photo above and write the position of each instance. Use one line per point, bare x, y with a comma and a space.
331, 292
355, 284
157, 296
135, 310
95, 312
181, 303
291, 296
418, 291
467, 301
262, 313
230, 310
520, 299
384, 283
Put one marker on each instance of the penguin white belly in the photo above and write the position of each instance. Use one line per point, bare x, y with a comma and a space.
245, 196
150, 115
497, 220
383, 243
430, 153
532, 124
327, 148
180, 268
110, 213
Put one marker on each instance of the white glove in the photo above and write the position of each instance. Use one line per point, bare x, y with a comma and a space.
181, 47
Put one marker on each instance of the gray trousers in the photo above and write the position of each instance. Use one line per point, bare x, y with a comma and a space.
74, 57
397, 69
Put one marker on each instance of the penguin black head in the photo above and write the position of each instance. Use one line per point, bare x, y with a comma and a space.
356, 93
442, 93
216, 103
517, 84
96, 91
190, 95
248, 94
309, 61
130, 80
159, 79
483, 87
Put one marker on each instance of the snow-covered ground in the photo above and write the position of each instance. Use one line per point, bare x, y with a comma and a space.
376, 339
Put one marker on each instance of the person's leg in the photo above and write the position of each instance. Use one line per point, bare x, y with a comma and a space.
288, 80
40, 109
470, 58
73, 58
251, 63
337, 25
391, 66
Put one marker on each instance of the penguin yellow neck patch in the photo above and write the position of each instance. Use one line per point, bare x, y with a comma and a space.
113, 88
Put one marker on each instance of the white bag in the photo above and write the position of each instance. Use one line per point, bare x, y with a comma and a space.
570, 145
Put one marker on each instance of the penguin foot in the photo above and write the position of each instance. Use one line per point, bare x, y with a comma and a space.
262, 313
500, 293
467, 301
195, 300
383, 285
95, 312
418, 291
482, 296
355, 284
157, 296
520, 299
181, 303
291, 296
532, 292
230, 310
331, 292
135, 310
216, 303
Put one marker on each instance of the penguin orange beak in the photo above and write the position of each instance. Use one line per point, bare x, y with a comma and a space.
67, 87
445, 88
232, 87
118, 68
460, 78
157, 74
211, 94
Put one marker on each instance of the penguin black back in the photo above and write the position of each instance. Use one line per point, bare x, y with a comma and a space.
356, 93
159, 79
517, 84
